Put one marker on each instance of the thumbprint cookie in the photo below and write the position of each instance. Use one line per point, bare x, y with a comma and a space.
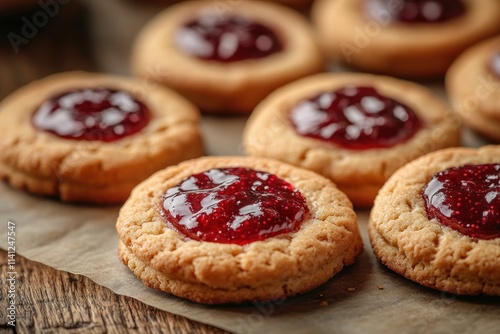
411, 38
237, 229
91, 138
226, 56
355, 129
437, 221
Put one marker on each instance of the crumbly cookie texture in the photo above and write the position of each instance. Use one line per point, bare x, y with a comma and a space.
233, 87
214, 273
348, 33
359, 174
475, 91
423, 250
92, 171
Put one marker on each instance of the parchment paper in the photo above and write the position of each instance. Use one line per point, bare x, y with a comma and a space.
365, 297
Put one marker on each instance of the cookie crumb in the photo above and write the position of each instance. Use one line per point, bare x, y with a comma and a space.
321, 295
380, 287
323, 303
351, 289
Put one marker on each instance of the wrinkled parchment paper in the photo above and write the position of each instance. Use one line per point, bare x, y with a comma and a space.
364, 298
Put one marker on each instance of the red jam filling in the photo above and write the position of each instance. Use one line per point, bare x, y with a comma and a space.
234, 205
467, 199
494, 64
92, 114
417, 11
227, 39
356, 118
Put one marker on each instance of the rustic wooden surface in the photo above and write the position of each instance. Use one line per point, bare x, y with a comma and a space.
53, 301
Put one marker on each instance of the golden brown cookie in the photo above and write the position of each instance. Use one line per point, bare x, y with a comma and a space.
300, 124
369, 35
91, 138
436, 221
226, 56
473, 85
236, 229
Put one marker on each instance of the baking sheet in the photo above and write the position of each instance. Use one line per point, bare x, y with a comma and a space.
365, 297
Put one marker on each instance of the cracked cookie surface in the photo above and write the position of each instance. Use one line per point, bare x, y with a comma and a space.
214, 273
422, 249
88, 170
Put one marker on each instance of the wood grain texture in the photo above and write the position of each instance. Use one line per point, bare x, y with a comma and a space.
53, 301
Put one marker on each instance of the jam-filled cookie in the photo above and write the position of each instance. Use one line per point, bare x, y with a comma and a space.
473, 85
237, 229
91, 138
416, 38
226, 56
437, 221
355, 129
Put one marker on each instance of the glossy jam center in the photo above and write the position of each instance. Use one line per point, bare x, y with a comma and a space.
467, 199
355, 118
494, 64
92, 114
227, 39
234, 205
416, 11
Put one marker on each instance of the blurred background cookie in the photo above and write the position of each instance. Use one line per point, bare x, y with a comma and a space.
473, 86
411, 38
226, 60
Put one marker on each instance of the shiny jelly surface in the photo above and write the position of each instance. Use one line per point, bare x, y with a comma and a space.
92, 114
227, 39
356, 118
467, 199
494, 64
234, 205
417, 11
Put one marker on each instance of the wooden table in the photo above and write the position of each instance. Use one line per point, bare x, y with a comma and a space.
50, 300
